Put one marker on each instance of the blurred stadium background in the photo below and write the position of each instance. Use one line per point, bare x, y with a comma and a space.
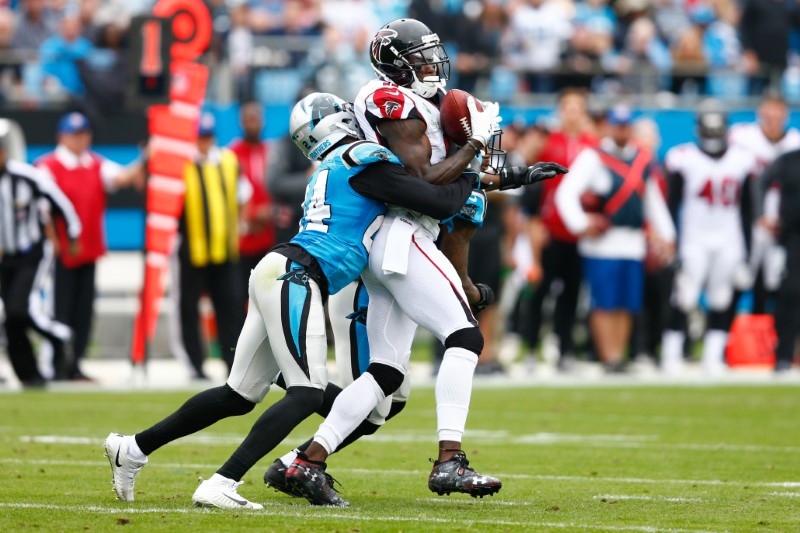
659, 56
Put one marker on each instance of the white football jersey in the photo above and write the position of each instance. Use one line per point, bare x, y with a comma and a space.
712, 190
382, 100
750, 137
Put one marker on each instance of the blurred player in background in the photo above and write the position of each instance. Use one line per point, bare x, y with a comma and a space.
708, 185
766, 139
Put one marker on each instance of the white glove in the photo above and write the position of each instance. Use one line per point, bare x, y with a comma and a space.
484, 123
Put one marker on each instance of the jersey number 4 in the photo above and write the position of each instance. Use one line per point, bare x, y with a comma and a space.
725, 193
317, 211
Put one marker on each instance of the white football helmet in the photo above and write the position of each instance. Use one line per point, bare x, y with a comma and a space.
319, 121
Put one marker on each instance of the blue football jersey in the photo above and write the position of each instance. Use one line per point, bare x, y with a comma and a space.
338, 224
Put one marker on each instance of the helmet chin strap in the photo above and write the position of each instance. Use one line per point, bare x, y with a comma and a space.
427, 88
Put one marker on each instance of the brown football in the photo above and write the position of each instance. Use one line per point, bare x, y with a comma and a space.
454, 116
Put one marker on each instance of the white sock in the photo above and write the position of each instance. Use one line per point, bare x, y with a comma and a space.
289, 458
672, 351
714, 344
351, 407
134, 452
453, 391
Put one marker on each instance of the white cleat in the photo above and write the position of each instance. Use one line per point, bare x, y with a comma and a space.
221, 492
124, 469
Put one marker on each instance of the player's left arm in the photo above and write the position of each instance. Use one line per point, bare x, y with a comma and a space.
514, 177
657, 213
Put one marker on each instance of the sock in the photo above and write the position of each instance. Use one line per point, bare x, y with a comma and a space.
350, 409
672, 350
714, 343
289, 458
271, 428
453, 391
200, 411
134, 452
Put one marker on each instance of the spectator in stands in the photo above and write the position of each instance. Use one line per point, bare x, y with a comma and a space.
105, 70
613, 243
240, 52
87, 11
86, 178
593, 38
60, 54
671, 19
765, 27
537, 36
10, 75
34, 26
207, 255
477, 32
554, 246
643, 58
257, 229
721, 45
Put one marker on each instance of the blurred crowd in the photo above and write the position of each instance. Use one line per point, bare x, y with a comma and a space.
51, 49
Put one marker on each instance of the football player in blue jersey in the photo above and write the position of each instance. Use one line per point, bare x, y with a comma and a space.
285, 326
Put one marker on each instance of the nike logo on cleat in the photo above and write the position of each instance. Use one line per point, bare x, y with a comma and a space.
116, 460
240, 502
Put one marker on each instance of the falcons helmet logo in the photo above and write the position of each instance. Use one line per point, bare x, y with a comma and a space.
382, 38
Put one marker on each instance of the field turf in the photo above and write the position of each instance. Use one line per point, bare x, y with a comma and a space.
606, 458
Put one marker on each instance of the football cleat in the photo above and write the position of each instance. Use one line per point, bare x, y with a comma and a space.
310, 479
124, 469
275, 477
221, 492
455, 475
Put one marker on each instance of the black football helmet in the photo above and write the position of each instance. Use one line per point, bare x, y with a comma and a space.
712, 127
401, 51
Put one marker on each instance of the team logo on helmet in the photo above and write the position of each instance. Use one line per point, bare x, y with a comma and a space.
382, 38
321, 107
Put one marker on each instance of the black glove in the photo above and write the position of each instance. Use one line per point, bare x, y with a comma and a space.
514, 177
487, 298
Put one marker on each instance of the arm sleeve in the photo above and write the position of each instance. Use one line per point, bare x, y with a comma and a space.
657, 212
568, 194
48, 188
391, 184
109, 170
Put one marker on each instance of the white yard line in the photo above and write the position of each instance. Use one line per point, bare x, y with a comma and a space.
485, 438
642, 497
275, 510
786, 494
390, 472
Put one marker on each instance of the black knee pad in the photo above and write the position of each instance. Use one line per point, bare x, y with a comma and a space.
468, 338
367, 428
279, 381
388, 378
309, 397
719, 320
395, 409
234, 402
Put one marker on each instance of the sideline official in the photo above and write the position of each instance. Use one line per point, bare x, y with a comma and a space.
27, 196
207, 256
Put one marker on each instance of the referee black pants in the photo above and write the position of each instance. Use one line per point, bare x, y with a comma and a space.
787, 311
75, 293
224, 288
20, 277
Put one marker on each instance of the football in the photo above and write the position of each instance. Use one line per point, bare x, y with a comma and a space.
454, 116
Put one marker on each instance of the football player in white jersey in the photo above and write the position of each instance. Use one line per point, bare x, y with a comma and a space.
410, 281
766, 139
706, 183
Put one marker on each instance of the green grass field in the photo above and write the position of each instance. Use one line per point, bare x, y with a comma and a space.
571, 459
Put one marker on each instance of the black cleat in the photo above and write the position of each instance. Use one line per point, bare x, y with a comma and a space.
455, 475
275, 477
310, 479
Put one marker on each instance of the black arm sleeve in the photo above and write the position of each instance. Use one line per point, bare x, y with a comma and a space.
674, 194
746, 210
391, 184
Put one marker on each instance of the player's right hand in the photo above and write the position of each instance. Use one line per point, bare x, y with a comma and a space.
598, 224
484, 123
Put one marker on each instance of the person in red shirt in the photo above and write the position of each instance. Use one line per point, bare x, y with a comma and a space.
257, 232
554, 247
85, 178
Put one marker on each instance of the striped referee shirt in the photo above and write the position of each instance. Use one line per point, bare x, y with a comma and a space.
26, 197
